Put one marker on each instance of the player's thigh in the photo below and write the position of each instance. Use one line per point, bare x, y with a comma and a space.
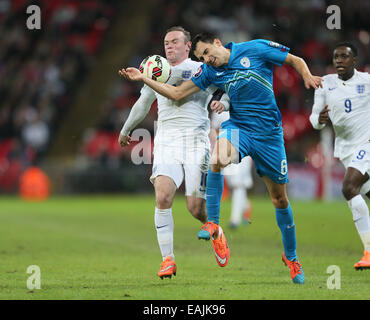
278, 193
353, 181
234, 141
223, 153
167, 161
167, 176
357, 170
353, 177
195, 180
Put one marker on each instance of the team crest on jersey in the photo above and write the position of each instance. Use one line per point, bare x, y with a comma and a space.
360, 88
186, 74
245, 62
199, 72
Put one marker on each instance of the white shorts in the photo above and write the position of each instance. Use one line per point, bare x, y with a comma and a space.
182, 158
239, 174
360, 160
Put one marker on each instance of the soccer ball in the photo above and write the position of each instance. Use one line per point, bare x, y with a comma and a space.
156, 68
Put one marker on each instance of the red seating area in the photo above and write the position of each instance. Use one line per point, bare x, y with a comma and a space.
41, 70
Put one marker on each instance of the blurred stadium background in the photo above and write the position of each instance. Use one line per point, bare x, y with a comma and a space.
62, 103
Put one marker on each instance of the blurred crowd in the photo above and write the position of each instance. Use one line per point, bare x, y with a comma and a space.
40, 70
300, 25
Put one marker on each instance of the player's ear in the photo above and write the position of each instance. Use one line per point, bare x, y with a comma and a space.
188, 46
355, 59
217, 42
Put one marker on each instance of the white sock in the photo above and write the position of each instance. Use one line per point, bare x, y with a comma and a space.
164, 225
361, 218
238, 204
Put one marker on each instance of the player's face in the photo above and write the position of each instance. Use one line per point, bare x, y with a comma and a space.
176, 47
344, 62
213, 54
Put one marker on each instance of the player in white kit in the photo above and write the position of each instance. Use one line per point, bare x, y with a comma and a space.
345, 101
238, 177
181, 145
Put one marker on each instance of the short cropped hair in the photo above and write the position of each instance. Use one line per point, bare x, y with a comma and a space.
205, 37
348, 45
179, 28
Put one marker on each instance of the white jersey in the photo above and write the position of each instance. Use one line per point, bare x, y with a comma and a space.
189, 113
349, 105
181, 144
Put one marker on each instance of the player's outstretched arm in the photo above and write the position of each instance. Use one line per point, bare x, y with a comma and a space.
301, 67
171, 92
137, 114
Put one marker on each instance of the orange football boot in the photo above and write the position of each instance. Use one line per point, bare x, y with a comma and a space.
168, 268
220, 248
208, 230
364, 263
213, 231
296, 270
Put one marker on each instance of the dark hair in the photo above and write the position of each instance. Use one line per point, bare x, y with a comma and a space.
348, 45
205, 37
179, 28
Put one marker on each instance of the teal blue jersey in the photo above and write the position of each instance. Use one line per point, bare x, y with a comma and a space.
248, 80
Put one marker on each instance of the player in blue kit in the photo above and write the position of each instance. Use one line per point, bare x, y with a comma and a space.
245, 72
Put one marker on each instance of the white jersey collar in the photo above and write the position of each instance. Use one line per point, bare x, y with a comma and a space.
187, 59
353, 78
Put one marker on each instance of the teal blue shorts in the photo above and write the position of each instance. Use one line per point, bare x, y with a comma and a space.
267, 151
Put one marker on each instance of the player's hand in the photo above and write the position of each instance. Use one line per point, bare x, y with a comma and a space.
311, 81
132, 74
324, 115
124, 140
217, 106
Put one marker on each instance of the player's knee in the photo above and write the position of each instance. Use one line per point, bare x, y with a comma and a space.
163, 199
218, 163
350, 190
280, 201
215, 166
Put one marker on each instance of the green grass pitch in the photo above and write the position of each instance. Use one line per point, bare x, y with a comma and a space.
105, 247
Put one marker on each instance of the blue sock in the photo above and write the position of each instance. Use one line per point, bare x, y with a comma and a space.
215, 187
285, 222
